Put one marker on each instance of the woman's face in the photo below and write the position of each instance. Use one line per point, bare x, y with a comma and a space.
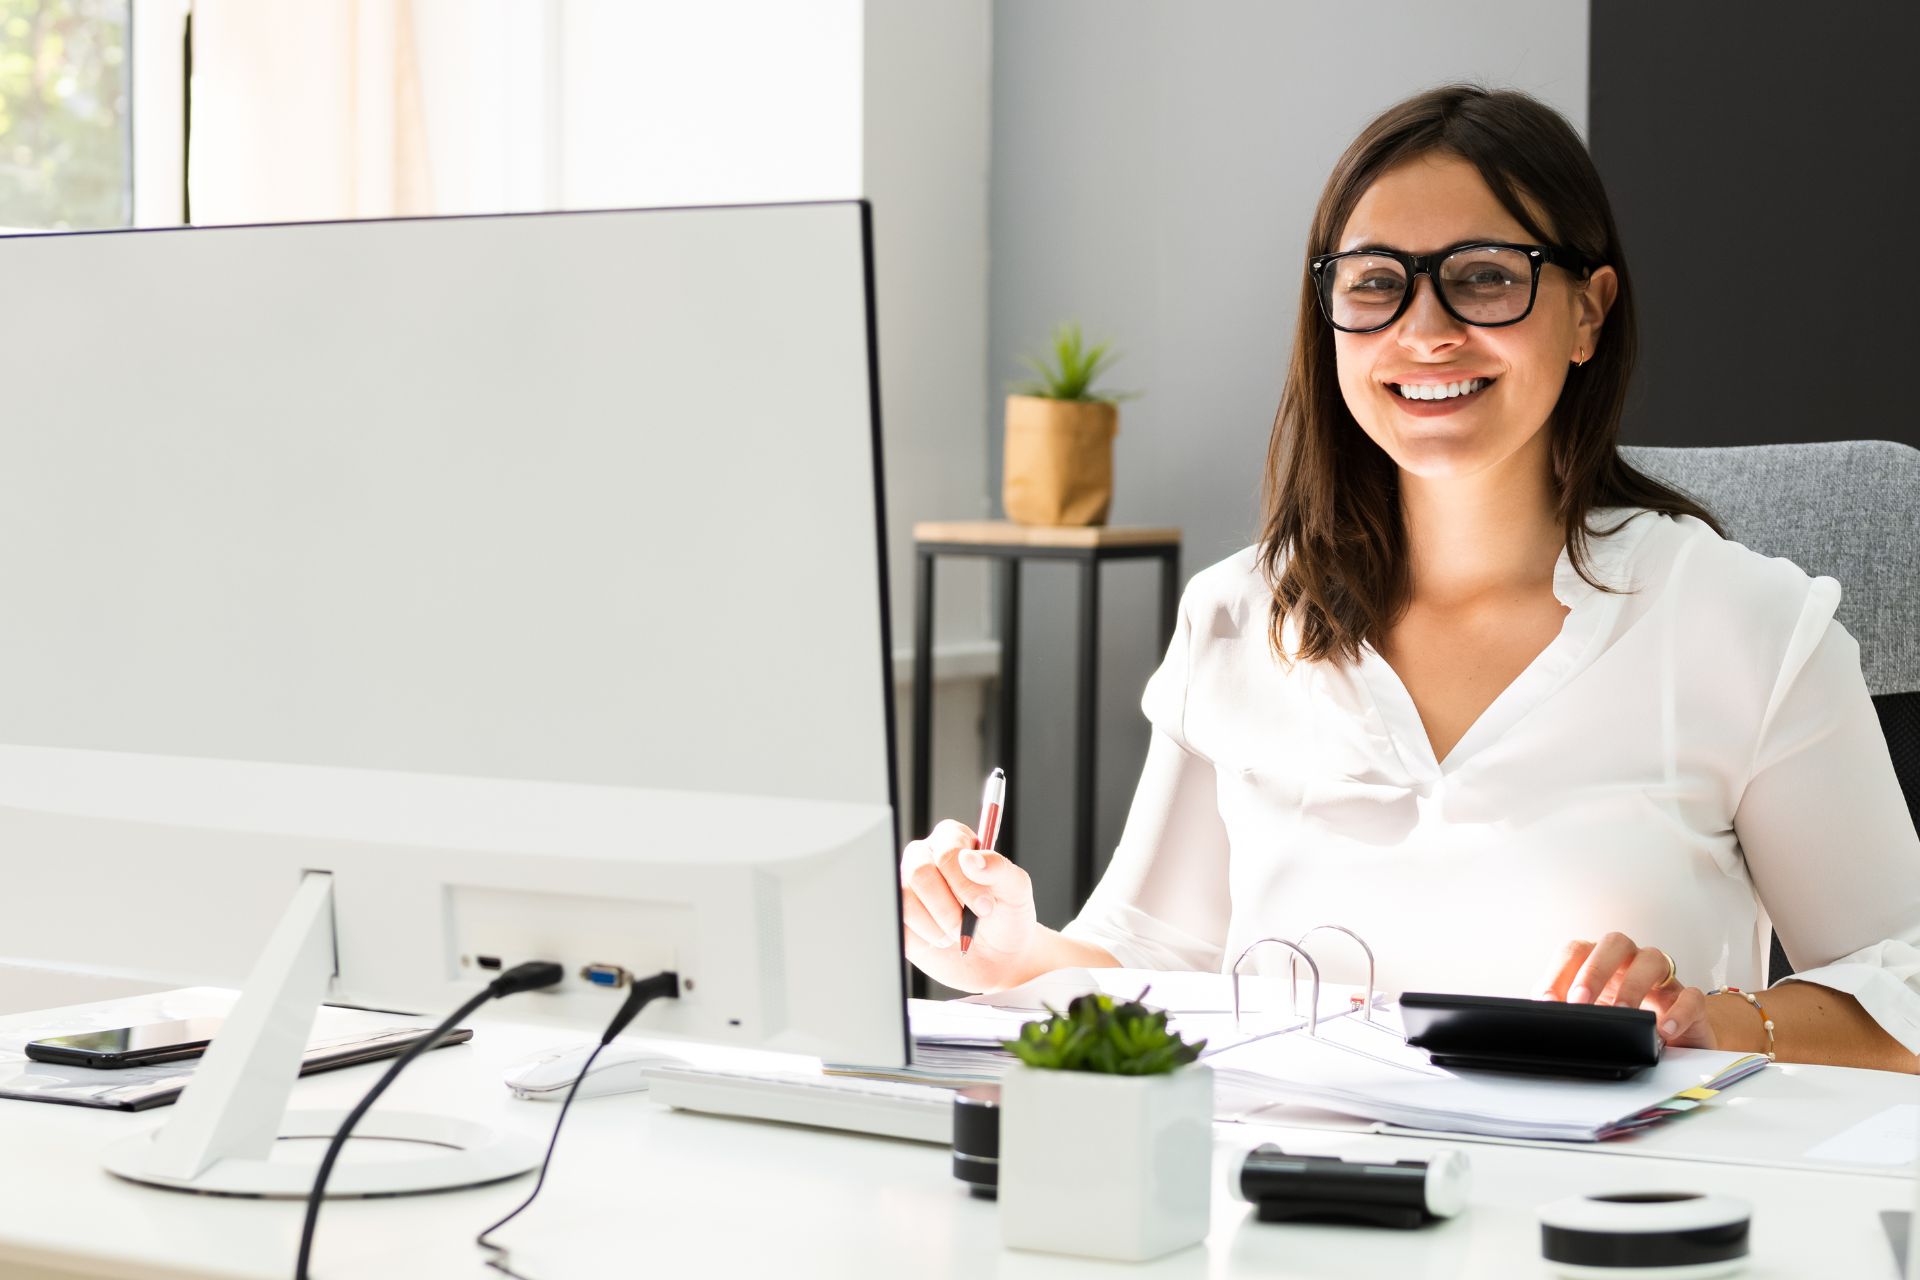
1430, 203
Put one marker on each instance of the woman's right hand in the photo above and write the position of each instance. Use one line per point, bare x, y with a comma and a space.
937, 876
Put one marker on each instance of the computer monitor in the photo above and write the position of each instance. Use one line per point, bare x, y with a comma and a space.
393, 601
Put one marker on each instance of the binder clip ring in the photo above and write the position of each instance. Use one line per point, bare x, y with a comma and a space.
1366, 1010
1313, 1012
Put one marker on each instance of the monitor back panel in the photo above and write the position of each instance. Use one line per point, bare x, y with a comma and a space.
582, 497
559, 498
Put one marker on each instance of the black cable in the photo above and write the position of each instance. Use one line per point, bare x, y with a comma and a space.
522, 977
645, 992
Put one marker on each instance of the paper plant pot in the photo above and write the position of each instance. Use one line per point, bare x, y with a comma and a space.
1059, 460
1115, 1167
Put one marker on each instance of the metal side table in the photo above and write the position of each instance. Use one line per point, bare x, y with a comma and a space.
1013, 545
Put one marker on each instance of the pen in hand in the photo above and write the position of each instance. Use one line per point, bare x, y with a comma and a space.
993, 802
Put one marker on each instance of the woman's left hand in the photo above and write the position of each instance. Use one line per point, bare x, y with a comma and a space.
1618, 971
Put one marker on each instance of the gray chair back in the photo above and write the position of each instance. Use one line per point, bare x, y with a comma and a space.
1850, 510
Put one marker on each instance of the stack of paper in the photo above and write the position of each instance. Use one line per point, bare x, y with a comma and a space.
1368, 1071
1357, 1066
960, 1041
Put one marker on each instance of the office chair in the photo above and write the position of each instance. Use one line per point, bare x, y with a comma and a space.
1850, 510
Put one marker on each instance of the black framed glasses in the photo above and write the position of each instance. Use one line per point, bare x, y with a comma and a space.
1484, 283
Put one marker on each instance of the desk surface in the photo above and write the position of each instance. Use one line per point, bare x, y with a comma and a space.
636, 1187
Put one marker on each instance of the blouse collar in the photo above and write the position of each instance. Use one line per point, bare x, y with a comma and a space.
1617, 534
1583, 635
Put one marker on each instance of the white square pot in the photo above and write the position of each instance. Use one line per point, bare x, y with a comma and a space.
1115, 1167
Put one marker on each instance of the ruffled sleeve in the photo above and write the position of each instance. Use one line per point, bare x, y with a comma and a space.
1826, 832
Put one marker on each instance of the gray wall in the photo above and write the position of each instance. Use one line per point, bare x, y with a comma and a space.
1758, 161
1154, 169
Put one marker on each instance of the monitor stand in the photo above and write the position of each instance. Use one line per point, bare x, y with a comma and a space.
225, 1135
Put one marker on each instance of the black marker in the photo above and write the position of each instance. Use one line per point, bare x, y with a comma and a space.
1406, 1193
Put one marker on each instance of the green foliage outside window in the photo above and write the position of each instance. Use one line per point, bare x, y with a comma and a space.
64, 133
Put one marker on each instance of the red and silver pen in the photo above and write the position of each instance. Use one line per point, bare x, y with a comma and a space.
993, 802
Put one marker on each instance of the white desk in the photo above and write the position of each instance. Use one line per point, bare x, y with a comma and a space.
640, 1190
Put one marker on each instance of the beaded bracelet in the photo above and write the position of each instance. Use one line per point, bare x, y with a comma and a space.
1751, 999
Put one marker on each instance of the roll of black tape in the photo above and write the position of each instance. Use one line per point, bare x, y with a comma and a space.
1671, 1235
976, 1139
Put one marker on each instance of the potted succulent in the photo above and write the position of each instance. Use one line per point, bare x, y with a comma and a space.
1106, 1134
1059, 437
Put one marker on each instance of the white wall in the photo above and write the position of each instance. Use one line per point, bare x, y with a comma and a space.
926, 126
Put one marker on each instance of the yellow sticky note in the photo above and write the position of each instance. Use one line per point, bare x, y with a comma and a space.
1700, 1094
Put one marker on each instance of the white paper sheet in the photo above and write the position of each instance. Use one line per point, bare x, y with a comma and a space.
1891, 1138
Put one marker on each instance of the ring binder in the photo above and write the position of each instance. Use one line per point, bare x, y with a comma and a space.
1298, 947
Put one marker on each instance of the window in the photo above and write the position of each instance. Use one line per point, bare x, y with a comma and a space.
66, 154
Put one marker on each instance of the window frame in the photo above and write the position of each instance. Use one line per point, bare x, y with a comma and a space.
157, 113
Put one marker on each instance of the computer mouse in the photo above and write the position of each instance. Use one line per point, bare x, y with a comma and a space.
619, 1069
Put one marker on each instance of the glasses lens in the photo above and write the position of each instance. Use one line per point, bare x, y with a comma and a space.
1363, 291
1487, 286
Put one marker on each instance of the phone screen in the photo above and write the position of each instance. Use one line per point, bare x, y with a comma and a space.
171, 1038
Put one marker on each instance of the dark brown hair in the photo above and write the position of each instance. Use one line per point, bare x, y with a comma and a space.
1333, 545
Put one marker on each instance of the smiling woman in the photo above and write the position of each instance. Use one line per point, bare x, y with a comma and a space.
1494, 200
1483, 693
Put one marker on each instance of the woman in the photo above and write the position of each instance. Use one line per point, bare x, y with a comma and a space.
1510, 710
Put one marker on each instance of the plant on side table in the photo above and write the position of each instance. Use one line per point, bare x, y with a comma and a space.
1059, 439
1106, 1134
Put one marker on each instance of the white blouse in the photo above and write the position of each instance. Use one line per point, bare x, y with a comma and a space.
1692, 762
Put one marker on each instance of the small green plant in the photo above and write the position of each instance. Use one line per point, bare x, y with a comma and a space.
1095, 1034
1074, 367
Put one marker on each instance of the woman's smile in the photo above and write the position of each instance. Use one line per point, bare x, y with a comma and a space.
1437, 399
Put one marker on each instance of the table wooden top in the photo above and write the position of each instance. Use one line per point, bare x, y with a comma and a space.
1005, 533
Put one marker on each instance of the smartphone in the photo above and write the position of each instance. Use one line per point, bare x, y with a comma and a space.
128, 1046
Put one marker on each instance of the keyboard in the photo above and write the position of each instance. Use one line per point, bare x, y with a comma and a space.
917, 1112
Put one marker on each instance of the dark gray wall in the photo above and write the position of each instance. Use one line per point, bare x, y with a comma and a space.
1154, 169
1763, 166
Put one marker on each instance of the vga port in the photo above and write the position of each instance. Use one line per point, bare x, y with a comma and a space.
606, 975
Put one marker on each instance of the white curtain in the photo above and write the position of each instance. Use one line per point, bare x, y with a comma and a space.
372, 108
368, 108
